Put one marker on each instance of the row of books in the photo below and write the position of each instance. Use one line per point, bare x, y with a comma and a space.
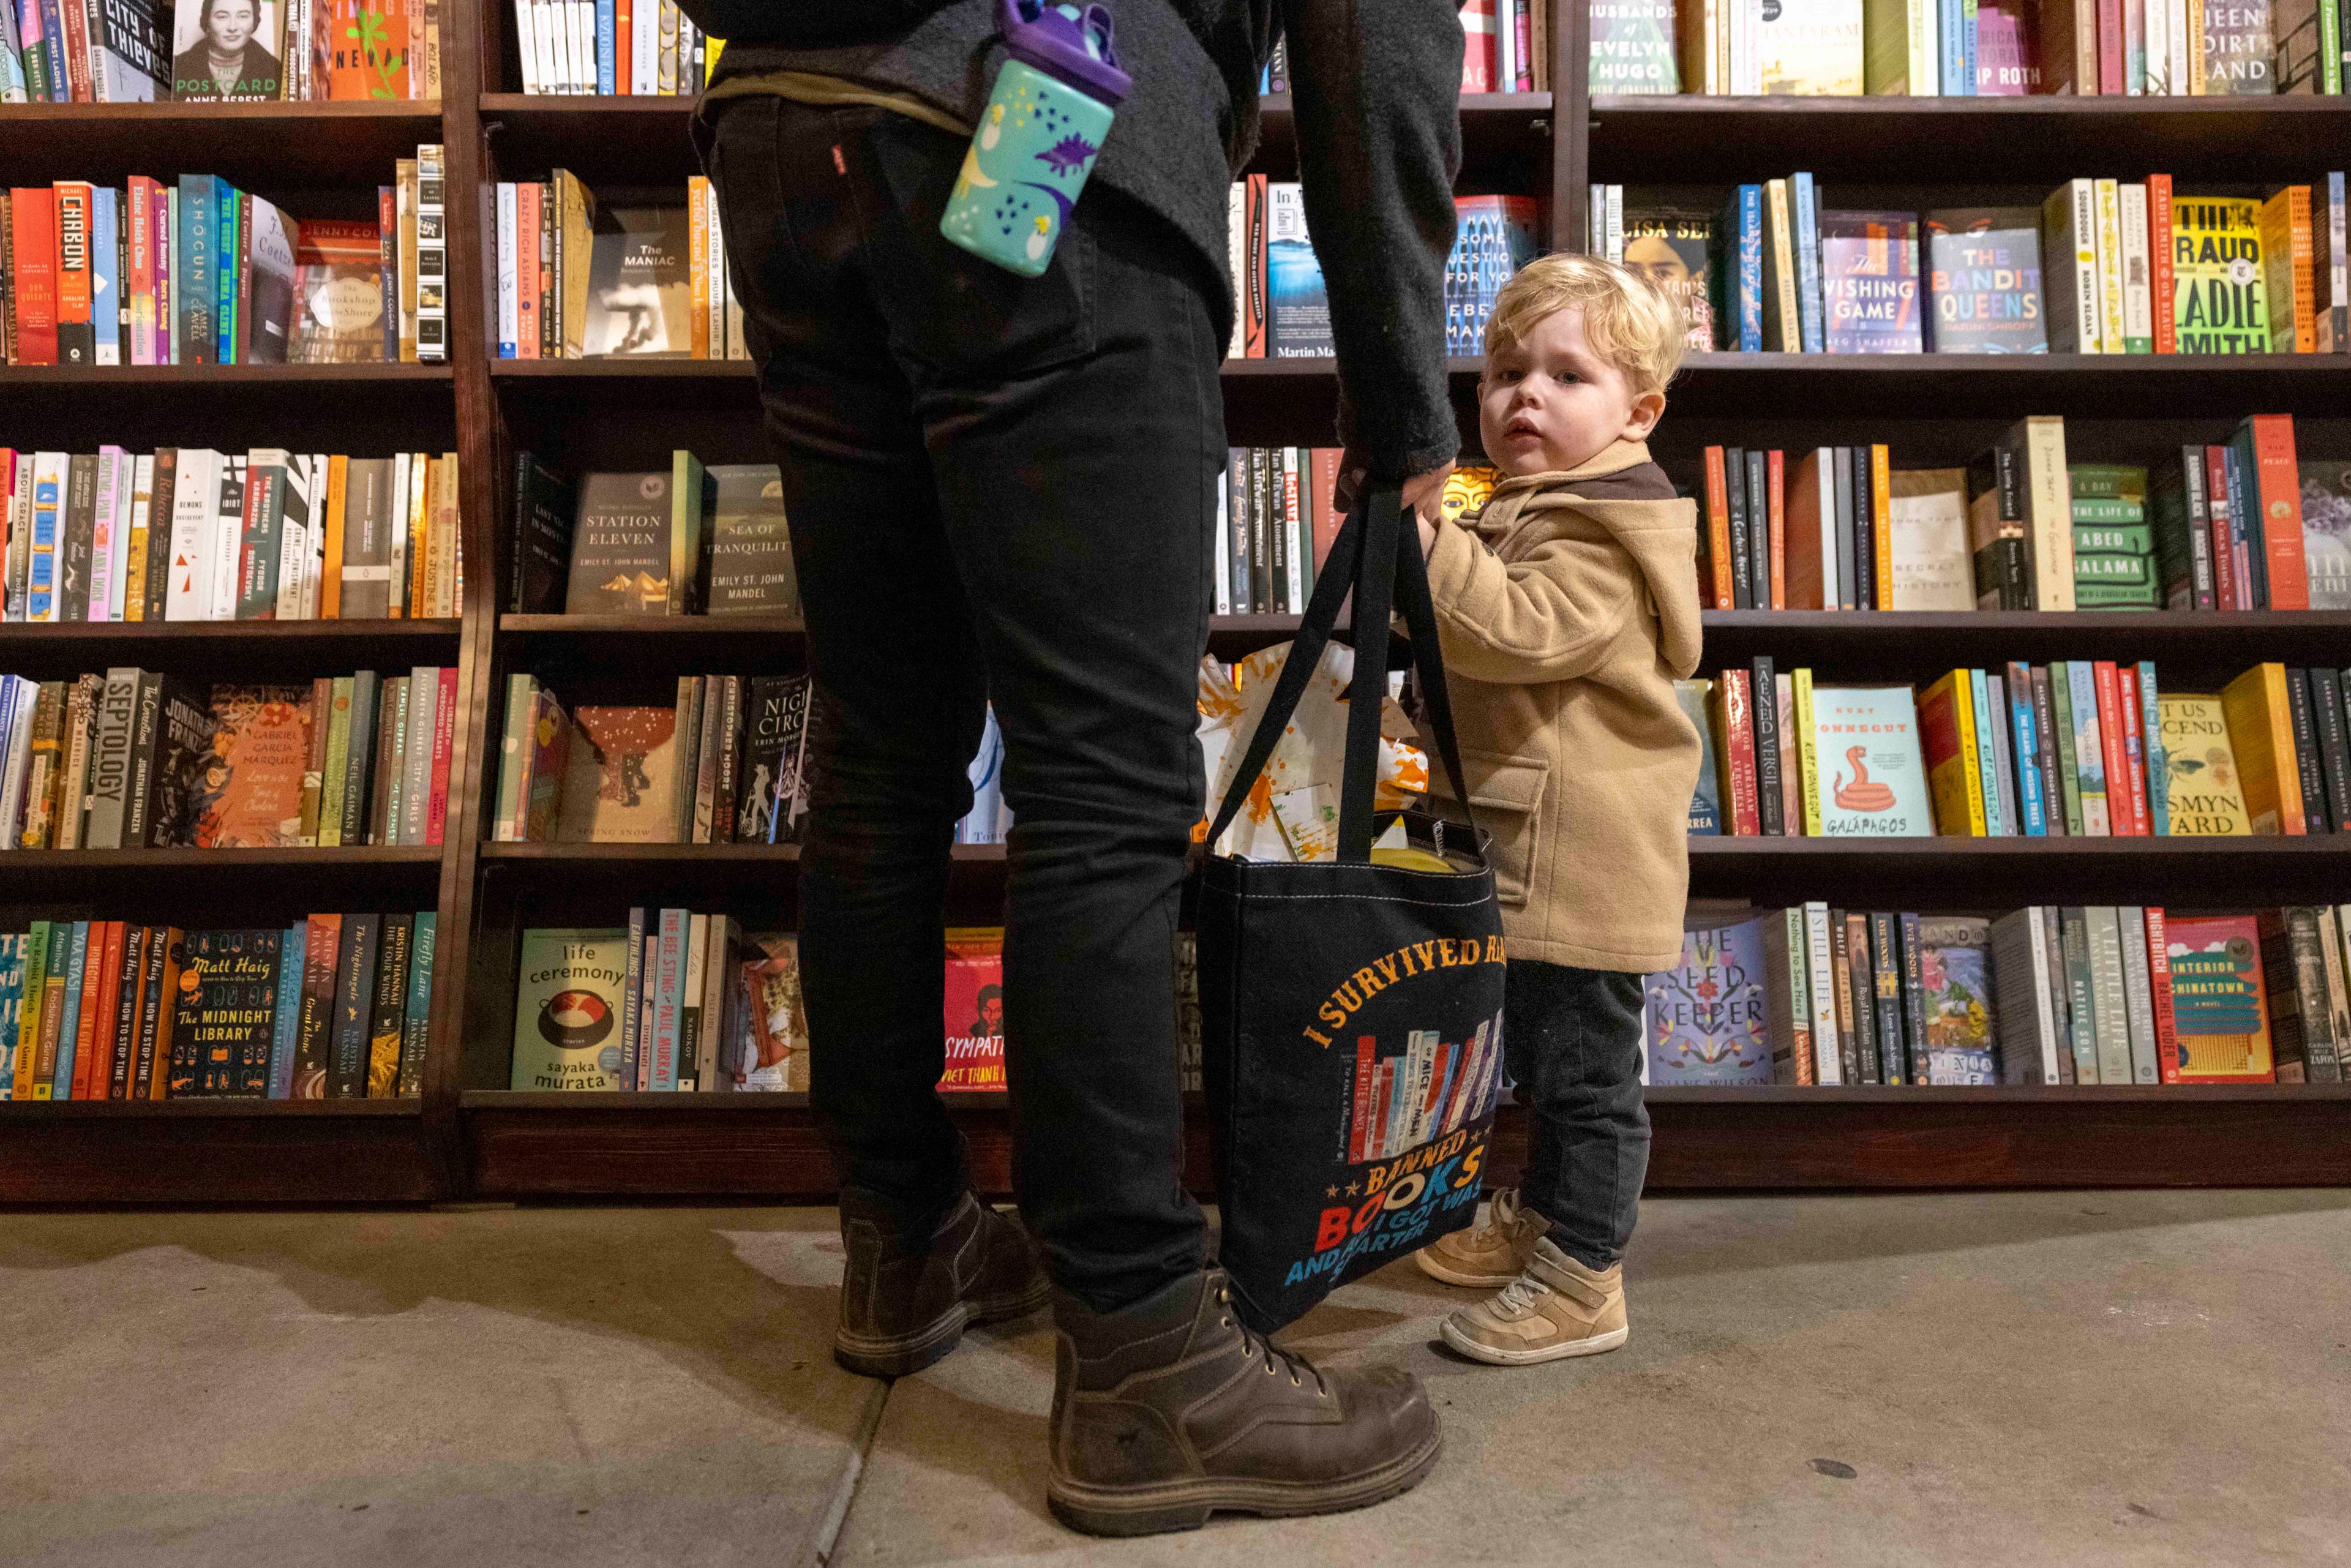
694, 540
333, 1006
1284, 306
1926, 49
577, 281
627, 48
2103, 266
678, 1001
135, 759
196, 272
2046, 993
720, 765
2246, 524
1506, 47
190, 534
2084, 749
1276, 516
216, 51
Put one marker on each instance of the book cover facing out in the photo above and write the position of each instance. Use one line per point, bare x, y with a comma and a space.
1871, 780
1633, 48
2205, 796
773, 1056
2327, 531
567, 1009
1706, 801
225, 1015
1708, 1020
1671, 247
1983, 277
620, 787
2219, 302
1298, 307
2220, 1010
640, 283
621, 546
1809, 47
1955, 983
975, 1010
1869, 281
750, 546
249, 789
1493, 236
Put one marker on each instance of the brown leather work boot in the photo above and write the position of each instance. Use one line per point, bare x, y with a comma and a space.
904, 1307
1170, 1409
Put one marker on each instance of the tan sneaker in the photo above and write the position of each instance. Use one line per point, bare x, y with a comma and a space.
1557, 1308
1489, 1255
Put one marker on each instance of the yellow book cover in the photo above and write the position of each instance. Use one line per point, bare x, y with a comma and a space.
2261, 733
1807, 753
1780, 254
576, 250
1881, 522
421, 540
1946, 736
2219, 300
417, 476
2110, 267
2288, 275
330, 570
697, 250
1810, 48
2205, 796
404, 215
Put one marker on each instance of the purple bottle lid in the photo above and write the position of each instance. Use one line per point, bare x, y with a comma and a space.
1071, 45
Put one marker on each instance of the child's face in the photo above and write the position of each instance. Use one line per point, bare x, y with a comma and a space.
1548, 402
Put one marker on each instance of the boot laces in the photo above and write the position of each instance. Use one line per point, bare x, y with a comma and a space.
1260, 1349
1522, 1294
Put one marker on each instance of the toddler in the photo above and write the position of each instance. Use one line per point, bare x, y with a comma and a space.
1567, 608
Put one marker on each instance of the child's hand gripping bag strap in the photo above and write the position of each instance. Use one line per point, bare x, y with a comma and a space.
1351, 1009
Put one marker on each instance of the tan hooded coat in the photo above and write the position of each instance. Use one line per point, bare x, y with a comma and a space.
1566, 613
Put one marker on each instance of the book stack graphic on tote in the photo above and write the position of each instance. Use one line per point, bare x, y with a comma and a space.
1431, 1088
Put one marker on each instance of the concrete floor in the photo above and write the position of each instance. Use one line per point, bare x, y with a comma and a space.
2128, 1378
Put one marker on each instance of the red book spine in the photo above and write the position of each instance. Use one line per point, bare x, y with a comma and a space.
248, 564
1432, 1107
34, 290
77, 336
2142, 819
2158, 251
1718, 528
2110, 48
77, 30
2225, 542
2110, 747
1360, 1124
1776, 467
445, 736
1739, 730
1478, 49
1375, 1139
2158, 973
2278, 487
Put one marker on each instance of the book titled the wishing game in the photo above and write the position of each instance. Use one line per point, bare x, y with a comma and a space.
1983, 281
1708, 1020
1869, 282
975, 1010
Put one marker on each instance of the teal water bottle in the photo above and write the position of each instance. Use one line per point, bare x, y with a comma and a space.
1038, 136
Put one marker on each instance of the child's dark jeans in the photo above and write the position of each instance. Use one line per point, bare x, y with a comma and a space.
1572, 1041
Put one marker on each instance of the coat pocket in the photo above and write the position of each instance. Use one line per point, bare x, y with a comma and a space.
1508, 792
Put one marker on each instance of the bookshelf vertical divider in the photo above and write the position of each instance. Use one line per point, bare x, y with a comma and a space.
471, 1134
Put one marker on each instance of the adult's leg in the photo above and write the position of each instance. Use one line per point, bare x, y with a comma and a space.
1075, 429
1571, 1040
899, 693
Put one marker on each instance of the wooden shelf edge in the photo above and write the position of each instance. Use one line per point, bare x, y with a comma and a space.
651, 625
307, 375
1269, 104
62, 861
1718, 363
691, 854
1664, 106
423, 110
18, 631
2281, 847
20, 1111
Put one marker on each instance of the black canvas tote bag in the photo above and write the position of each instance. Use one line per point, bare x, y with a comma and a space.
1350, 1010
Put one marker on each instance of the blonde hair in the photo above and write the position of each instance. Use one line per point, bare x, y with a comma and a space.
1632, 323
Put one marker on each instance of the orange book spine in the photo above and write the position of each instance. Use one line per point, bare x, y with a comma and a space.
1718, 528
2304, 267
2277, 489
1881, 513
1777, 469
623, 47
697, 250
331, 572
2162, 279
2123, 807
1739, 754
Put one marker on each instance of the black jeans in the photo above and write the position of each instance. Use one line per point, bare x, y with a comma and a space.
998, 490
1571, 1041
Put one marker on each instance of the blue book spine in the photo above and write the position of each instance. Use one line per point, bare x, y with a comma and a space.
106, 274
293, 953
1751, 269
2031, 798
416, 1018
2159, 766
69, 1021
1987, 759
1958, 50
1809, 308
15, 954
226, 245
2245, 515
53, 39
192, 283
41, 568
606, 33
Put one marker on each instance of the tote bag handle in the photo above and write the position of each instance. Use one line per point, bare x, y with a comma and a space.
1378, 559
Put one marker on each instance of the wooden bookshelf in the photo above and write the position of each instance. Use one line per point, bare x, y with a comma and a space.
469, 1134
